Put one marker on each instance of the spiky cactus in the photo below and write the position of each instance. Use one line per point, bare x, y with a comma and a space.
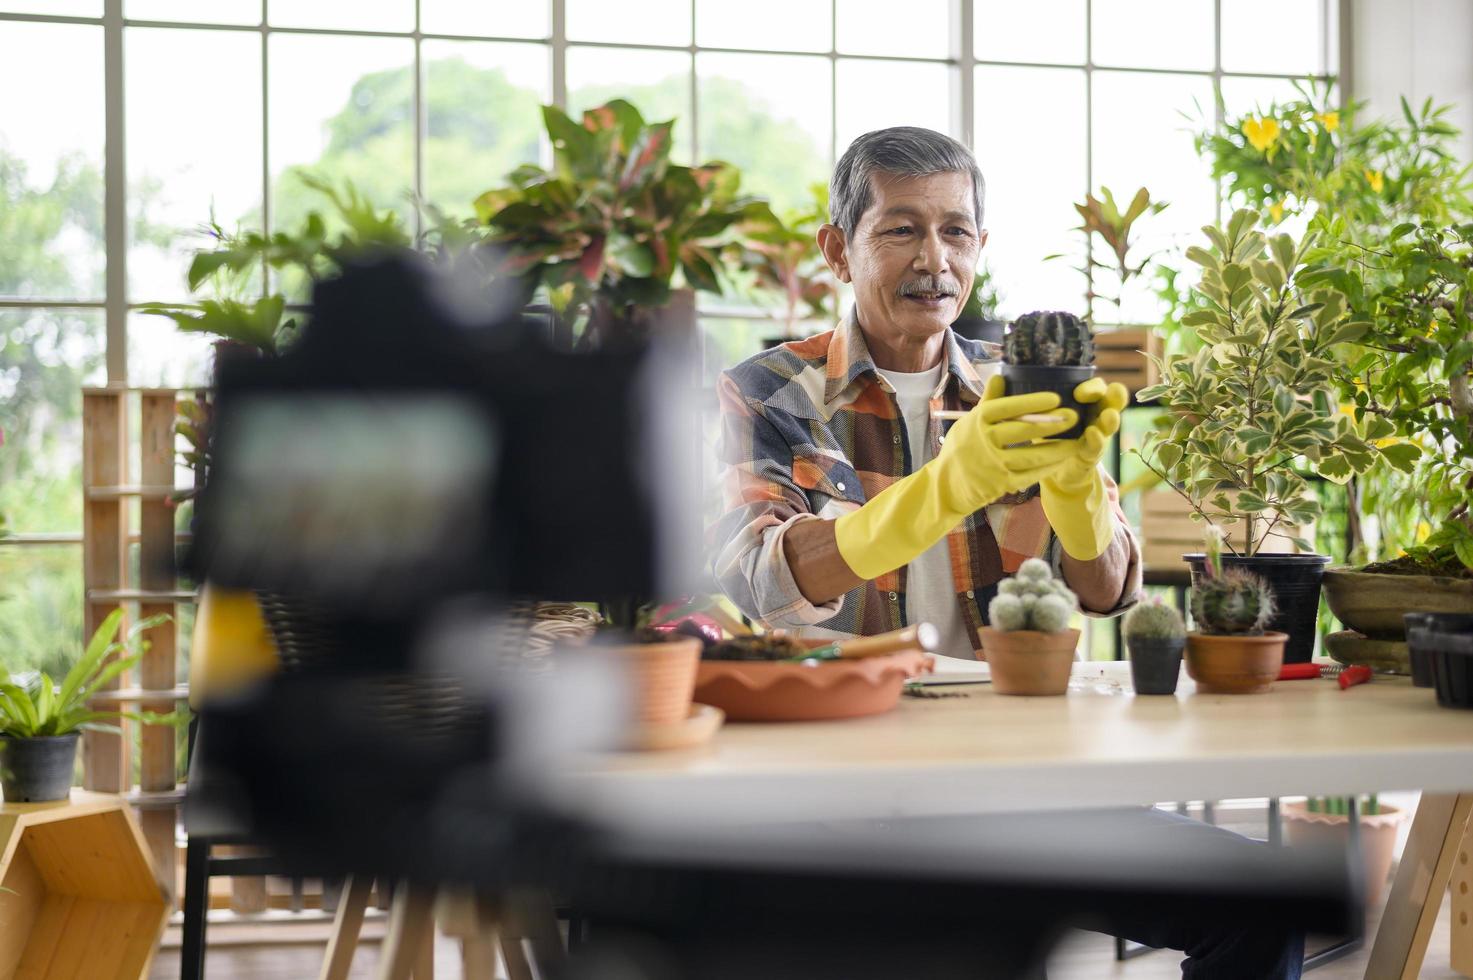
1232, 602
1032, 600
1154, 620
1049, 339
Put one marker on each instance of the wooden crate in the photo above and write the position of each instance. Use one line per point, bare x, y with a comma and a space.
1168, 532
1120, 355
80, 894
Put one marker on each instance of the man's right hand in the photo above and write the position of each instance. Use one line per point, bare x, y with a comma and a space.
988, 454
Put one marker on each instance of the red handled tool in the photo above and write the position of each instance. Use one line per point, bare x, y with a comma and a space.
1347, 676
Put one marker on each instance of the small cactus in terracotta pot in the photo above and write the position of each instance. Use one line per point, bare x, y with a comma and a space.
1028, 645
1155, 636
1231, 652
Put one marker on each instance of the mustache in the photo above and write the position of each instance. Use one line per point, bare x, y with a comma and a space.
928, 286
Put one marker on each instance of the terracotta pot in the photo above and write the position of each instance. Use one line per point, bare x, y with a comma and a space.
1235, 664
1028, 662
1373, 603
1377, 838
664, 678
755, 690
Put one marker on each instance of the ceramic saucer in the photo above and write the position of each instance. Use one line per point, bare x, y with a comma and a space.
697, 728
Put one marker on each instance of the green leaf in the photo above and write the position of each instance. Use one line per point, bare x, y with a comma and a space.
1402, 455
1401, 231
1235, 277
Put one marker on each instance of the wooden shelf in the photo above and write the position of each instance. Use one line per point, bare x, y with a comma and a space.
156, 799
140, 596
80, 895
146, 492
132, 695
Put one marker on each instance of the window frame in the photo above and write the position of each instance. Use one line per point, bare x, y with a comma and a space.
1335, 43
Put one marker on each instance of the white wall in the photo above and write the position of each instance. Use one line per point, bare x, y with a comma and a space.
1415, 48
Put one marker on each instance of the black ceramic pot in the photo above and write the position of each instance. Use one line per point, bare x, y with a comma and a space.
1441, 649
1025, 379
37, 770
1295, 580
1155, 664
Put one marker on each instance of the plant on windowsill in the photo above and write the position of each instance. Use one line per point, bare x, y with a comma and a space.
1155, 636
1257, 405
978, 319
1050, 351
781, 255
40, 721
1232, 651
613, 229
1028, 643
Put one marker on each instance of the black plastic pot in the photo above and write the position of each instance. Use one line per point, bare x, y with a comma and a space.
1440, 646
1025, 379
980, 328
1295, 580
37, 770
1155, 664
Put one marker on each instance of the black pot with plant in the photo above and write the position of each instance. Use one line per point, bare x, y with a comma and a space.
1155, 636
1050, 351
40, 720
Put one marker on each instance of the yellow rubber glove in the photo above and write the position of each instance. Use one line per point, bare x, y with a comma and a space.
987, 454
1074, 494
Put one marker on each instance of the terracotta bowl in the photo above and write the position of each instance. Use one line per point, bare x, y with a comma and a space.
1235, 664
754, 690
1029, 662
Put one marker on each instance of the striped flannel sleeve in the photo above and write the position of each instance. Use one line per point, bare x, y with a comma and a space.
759, 501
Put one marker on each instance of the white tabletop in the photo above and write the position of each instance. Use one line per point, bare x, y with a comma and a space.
1098, 746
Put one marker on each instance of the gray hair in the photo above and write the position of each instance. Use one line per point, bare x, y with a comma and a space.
905, 151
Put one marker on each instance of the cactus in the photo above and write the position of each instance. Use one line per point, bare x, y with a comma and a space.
1154, 620
1032, 600
1233, 602
1049, 339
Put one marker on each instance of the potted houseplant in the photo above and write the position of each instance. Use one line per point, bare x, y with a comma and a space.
782, 257
1411, 385
1320, 821
1049, 351
1028, 643
978, 319
1155, 636
1231, 651
40, 722
1256, 405
614, 227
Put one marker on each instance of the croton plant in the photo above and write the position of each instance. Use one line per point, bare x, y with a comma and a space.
613, 226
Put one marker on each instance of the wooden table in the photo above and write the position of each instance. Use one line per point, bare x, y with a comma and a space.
1099, 746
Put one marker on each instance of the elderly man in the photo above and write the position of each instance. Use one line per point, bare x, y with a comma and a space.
847, 511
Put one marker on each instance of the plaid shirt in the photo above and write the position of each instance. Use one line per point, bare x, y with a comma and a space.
811, 430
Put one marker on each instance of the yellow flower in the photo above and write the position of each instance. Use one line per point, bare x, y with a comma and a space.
1423, 529
1330, 120
1261, 133
1276, 211
1374, 178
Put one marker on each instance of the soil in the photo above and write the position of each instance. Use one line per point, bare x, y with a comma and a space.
1407, 565
755, 648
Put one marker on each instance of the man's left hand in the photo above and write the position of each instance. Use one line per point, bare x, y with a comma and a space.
1074, 496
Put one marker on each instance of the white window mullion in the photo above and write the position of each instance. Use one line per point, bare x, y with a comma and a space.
115, 200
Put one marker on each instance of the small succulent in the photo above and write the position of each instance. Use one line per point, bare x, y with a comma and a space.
1049, 339
1232, 602
1032, 600
1154, 620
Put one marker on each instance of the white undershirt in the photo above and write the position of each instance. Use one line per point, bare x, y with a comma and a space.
930, 591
